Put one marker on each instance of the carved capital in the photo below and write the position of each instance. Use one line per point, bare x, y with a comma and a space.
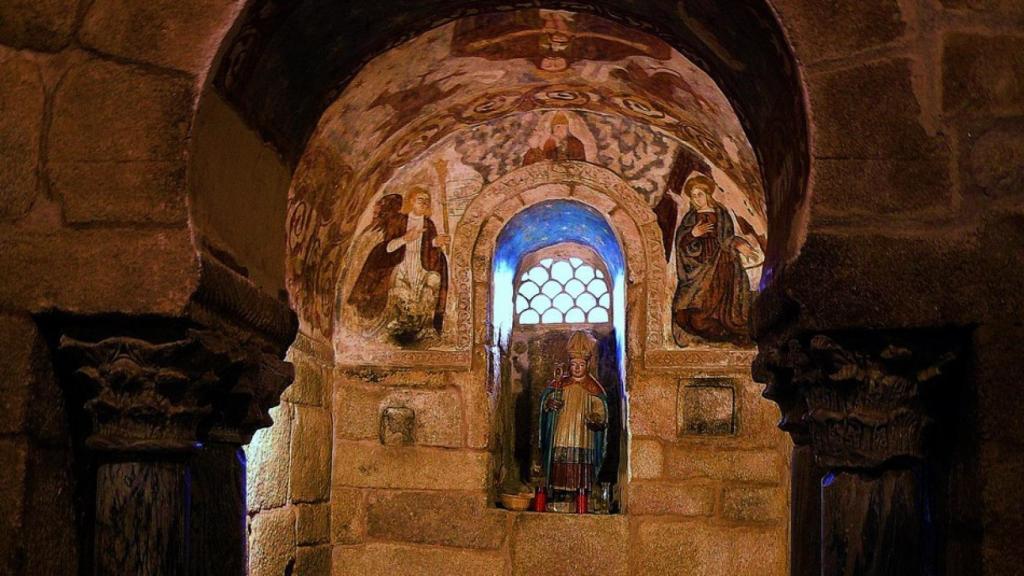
860, 399
139, 394
167, 383
149, 394
777, 361
251, 383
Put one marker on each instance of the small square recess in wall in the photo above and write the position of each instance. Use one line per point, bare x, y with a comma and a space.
707, 408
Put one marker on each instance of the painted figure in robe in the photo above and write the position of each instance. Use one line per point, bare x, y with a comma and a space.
686, 163
560, 145
573, 425
403, 285
713, 296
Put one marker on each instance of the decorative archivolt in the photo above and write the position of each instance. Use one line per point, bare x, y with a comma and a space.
629, 216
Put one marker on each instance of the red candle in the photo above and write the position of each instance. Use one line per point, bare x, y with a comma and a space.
581, 502
540, 500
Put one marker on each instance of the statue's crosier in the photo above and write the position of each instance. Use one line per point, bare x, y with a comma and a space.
573, 426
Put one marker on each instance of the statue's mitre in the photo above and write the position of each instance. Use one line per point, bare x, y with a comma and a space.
581, 345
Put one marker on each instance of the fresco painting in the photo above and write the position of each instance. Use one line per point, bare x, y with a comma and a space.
552, 40
403, 156
713, 294
403, 284
559, 145
717, 255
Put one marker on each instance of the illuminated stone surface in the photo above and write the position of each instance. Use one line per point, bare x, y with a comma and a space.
140, 139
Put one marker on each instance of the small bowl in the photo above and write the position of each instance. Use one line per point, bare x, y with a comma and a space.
517, 502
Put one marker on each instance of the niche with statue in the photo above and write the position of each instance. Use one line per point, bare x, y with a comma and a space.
560, 419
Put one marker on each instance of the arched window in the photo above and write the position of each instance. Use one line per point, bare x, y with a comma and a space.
565, 284
568, 291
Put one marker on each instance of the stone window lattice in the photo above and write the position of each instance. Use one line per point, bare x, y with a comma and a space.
563, 291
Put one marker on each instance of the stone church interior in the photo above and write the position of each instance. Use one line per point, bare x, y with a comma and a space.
473, 287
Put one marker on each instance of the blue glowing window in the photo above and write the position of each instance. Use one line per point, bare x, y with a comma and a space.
563, 291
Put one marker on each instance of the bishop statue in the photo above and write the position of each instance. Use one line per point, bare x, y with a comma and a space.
573, 426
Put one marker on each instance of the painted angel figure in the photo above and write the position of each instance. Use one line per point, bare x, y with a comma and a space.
573, 426
403, 285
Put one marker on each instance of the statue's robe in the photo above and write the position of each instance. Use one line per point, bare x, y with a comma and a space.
712, 299
571, 451
369, 296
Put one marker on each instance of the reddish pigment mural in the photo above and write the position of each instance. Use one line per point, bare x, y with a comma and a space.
426, 127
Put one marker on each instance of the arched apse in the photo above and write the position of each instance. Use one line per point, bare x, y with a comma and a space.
285, 63
464, 104
442, 113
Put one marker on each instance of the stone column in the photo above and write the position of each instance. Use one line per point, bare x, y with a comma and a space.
169, 419
773, 366
862, 401
218, 532
805, 514
170, 402
145, 400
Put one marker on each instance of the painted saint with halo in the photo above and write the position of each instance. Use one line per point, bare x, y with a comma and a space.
402, 288
713, 294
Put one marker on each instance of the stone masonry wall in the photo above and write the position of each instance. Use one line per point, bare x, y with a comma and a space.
289, 467
97, 101
96, 106
917, 215
707, 504
37, 489
917, 122
696, 504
